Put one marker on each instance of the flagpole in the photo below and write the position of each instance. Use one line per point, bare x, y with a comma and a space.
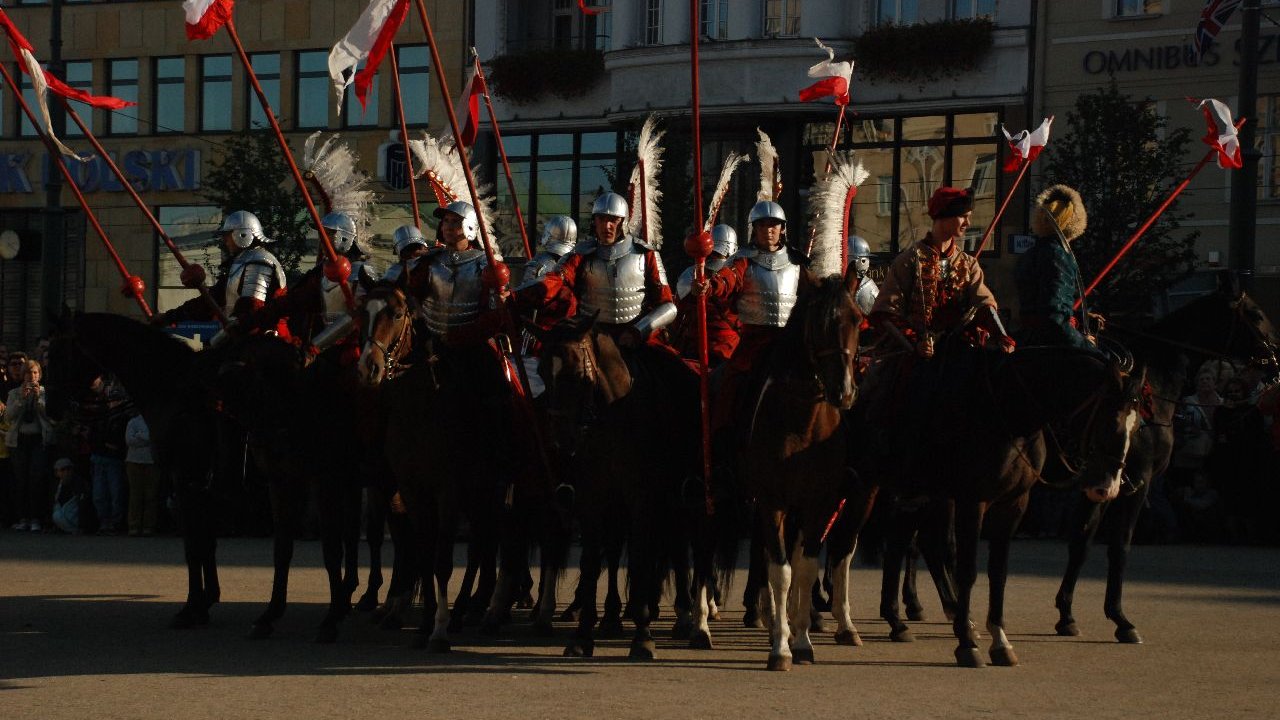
193, 276
1147, 225
340, 270
133, 284
986, 234
699, 246
502, 153
404, 136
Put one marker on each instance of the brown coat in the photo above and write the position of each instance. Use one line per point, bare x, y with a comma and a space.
913, 292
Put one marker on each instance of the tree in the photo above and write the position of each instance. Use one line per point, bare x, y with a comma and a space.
1113, 153
251, 174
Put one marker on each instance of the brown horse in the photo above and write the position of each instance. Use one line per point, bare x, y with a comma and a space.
793, 457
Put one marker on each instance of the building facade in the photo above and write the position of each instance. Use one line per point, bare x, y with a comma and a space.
192, 97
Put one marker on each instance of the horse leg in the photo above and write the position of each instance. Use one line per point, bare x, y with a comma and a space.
1084, 524
443, 570
839, 559
804, 564
487, 579
704, 581
611, 623
910, 594
757, 582
644, 558
682, 587
405, 571
196, 535
1002, 521
336, 542
899, 526
284, 505
374, 531
1117, 559
553, 556
468, 584
582, 643
936, 540
779, 587
968, 528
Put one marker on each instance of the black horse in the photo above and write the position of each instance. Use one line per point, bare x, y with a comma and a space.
1226, 324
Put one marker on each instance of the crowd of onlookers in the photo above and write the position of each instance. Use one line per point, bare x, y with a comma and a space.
87, 468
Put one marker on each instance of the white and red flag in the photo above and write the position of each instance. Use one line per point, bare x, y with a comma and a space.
206, 17
368, 40
582, 5
834, 78
1026, 145
469, 105
1221, 133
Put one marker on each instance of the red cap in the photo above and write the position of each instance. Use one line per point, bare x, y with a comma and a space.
950, 202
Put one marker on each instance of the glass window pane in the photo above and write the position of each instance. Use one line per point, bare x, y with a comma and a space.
873, 205
976, 125
312, 91
555, 188
192, 229
267, 67
605, 142
555, 145
922, 173
215, 92
79, 75
26, 129
356, 116
593, 181
505, 221
516, 145
924, 128
871, 131
124, 85
415, 83
170, 95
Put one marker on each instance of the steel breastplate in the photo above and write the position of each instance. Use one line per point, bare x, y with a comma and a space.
611, 279
684, 283
539, 265
251, 274
454, 289
768, 289
866, 296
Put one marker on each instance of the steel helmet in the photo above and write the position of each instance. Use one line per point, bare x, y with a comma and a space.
470, 222
407, 235
859, 254
610, 203
724, 240
766, 210
245, 228
342, 231
559, 235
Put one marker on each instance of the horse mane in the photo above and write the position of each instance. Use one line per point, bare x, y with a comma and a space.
821, 295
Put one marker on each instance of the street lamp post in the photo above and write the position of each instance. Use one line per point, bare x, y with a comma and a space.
53, 252
1244, 183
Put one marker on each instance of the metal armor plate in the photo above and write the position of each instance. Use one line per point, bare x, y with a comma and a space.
768, 289
685, 283
454, 289
866, 296
251, 274
539, 265
611, 279
335, 304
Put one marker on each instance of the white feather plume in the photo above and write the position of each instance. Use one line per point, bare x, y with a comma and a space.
438, 160
333, 167
768, 155
731, 164
648, 157
827, 203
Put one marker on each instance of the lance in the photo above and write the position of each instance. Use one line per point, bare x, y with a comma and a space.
699, 246
991, 226
502, 152
133, 286
339, 268
404, 137
193, 276
1133, 239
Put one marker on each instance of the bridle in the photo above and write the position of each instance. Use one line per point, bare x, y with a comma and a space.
392, 358
815, 357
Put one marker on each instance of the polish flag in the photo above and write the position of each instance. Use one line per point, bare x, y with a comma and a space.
23, 49
1026, 145
205, 17
32, 67
835, 78
469, 103
1221, 135
367, 40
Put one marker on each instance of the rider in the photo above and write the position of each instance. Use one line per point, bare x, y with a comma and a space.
614, 275
722, 323
559, 236
934, 287
860, 265
1047, 275
410, 244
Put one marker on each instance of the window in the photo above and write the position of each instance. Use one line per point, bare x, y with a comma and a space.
573, 29
79, 75
122, 79
267, 67
884, 195
1138, 8
215, 92
311, 89
191, 227
354, 115
169, 96
653, 22
1268, 141
596, 29
415, 82
983, 177
714, 15
781, 17
897, 12
964, 9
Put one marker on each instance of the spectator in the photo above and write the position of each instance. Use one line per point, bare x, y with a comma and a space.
1200, 510
15, 366
1194, 440
30, 431
7, 489
70, 499
1237, 467
144, 482
107, 418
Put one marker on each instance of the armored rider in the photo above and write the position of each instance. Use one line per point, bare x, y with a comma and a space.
410, 244
859, 265
934, 287
1047, 274
559, 236
614, 276
722, 322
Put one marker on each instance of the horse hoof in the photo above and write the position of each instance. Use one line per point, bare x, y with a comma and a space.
1067, 628
525, 602
1129, 636
682, 629
260, 631
701, 640
902, 634
714, 616
751, 619
969, 658
543, 628
438, 646
189, 617
367, 602
1003, 656
802, 656
642, 649
611, 627
915, 614
817, 626
848, 637
580, 648
779, 663
568, 616
326, 635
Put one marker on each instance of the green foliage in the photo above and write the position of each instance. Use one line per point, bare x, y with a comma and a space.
923, 52
531, 75
1113, 153
251, 174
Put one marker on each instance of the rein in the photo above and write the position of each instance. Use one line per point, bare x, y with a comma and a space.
392, 366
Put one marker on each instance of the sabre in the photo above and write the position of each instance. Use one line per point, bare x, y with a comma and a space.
502, 153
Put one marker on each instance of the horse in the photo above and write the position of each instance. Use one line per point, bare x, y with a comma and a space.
992, 418
624, 431
1225, 324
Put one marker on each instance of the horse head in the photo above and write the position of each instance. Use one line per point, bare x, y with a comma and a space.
1225, 323
388, 312
1115, 413
831, 323
584, 373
